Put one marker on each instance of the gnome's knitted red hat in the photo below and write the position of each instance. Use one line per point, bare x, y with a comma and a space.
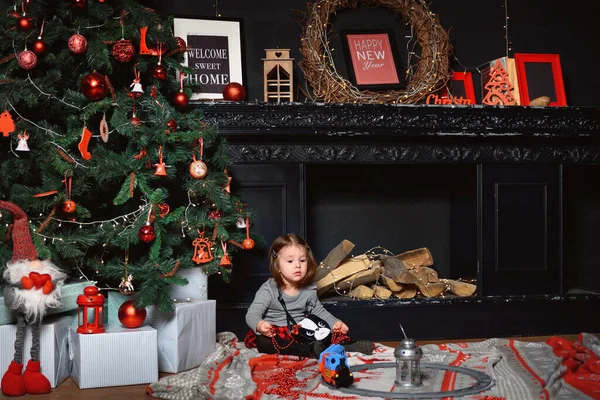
23, 248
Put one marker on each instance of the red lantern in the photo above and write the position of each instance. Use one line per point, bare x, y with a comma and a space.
147, 233
94, 86
130, 316
90, 311
234, 92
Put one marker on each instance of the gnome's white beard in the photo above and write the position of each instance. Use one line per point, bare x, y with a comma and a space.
35, 302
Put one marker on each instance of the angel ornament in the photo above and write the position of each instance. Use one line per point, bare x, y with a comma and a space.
22, 146
126, 286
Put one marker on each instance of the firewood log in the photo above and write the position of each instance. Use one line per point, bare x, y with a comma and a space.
360, 278
381, 292
362, 292
392, 267
345, 270
432, 289
426, 275
407, 292
334, 259
416, 258
389, 282
459, 288
407, 277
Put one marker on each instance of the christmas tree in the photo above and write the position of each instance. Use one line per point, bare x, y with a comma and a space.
120, 177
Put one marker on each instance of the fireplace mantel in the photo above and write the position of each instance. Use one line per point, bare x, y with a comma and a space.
370, 133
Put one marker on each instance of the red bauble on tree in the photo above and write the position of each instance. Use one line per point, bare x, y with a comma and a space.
130, 316
172, 124
78, 4
234, 92
181, 99
159, 72
147, 233
248, 244
24, 24
181, 45
69, 206
78, 44
123, 51
27, 59
94, 86
39, 46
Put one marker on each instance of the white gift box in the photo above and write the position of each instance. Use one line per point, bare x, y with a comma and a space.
55, 362
196, 288
118, 357
69, 292
186, 336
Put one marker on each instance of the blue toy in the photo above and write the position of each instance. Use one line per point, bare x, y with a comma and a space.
333, 366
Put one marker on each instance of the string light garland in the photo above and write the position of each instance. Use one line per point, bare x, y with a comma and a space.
506, 17
428, 74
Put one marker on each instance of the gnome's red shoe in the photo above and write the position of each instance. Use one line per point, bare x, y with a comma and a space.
12, 381
35, 381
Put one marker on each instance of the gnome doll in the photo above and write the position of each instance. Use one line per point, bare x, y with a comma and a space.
32, 286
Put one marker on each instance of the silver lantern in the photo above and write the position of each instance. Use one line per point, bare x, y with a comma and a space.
408, 363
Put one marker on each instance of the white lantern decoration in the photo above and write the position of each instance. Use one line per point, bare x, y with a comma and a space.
408, 364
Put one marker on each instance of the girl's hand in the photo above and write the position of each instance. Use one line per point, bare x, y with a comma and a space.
340, 327
265, 328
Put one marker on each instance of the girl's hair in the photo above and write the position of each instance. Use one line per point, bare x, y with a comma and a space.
291, 239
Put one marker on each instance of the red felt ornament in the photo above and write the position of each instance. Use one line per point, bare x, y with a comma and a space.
202, 249
123, 51
234, 92
27, 59
24, 24
7, 124
78, 44
159, 72
131, 317
147, 233
94, 86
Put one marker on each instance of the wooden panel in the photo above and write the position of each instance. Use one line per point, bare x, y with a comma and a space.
274, 192
521, 236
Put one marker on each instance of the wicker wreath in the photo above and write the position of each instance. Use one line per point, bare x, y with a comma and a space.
428, 74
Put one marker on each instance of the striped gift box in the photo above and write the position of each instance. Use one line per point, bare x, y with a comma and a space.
185, 337
118, 357
54, 353
69, 292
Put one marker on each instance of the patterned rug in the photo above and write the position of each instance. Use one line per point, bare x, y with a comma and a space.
556, 369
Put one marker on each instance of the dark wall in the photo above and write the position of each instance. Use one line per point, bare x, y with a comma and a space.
476, 29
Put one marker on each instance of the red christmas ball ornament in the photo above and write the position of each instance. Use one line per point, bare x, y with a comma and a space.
24, 24
181, 44
123, 51
159, 72
172, 124
147, 233
78, 44
135, 120
248, 244
27, 59
78, 4
39, 46
69, 206
94, 86
234, 92
131, 317
181, 99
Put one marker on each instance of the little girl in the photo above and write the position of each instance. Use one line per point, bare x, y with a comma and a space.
285, 299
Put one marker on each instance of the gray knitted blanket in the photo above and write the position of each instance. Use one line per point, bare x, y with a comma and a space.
521, 370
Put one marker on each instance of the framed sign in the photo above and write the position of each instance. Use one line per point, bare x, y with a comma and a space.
214, 52
461, 85
540, 75
372, 59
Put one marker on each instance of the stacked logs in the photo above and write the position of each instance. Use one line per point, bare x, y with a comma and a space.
402, 276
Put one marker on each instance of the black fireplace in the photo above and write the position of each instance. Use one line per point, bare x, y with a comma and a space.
508, 197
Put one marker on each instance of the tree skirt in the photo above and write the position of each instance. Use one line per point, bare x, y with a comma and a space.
557, 369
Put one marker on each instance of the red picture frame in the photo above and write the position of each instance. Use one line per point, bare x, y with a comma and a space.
467, 89
540, 75
372, 59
